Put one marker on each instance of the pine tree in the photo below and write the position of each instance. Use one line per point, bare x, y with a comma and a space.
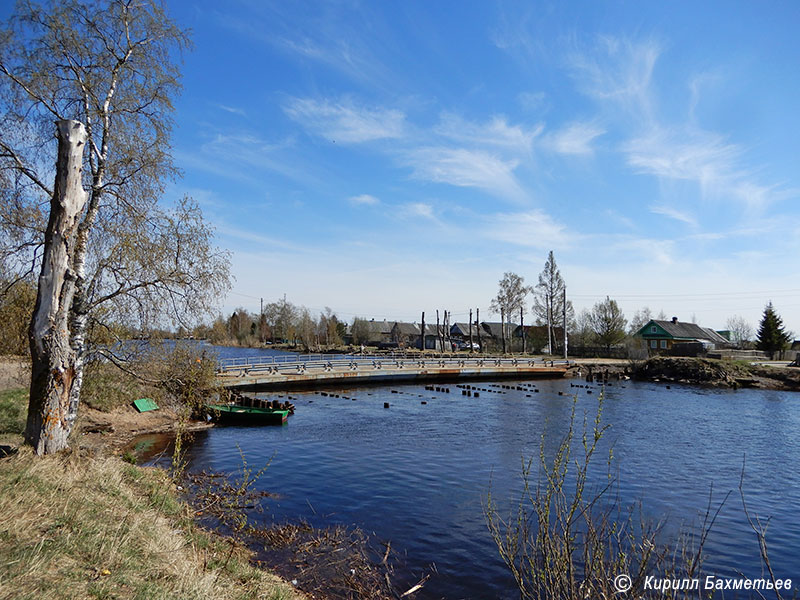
771, 335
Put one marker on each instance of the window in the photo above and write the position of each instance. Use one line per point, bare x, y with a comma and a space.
663, 343
653, 343
654, 329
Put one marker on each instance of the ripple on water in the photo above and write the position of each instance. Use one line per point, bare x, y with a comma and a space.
417, 474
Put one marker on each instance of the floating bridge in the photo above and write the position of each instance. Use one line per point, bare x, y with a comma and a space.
309, 371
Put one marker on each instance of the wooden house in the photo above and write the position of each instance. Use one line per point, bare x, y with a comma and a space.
661, 336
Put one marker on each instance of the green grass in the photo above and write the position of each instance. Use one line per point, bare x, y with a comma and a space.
13, 413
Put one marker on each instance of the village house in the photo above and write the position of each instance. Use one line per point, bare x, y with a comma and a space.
407, 335
536, 338
662, 336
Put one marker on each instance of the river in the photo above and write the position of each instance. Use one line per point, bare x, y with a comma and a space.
418, 474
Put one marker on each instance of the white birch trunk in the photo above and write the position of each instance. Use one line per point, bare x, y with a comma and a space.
56, 353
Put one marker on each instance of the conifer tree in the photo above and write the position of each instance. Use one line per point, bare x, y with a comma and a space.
772, 337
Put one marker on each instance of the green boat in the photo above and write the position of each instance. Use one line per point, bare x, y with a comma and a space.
248, 415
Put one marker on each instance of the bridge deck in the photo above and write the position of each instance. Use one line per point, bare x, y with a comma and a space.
316, 372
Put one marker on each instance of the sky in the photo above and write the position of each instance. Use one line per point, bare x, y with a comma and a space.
387, 158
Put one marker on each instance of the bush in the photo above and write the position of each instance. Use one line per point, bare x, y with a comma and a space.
106, 387
569, 544
184, 372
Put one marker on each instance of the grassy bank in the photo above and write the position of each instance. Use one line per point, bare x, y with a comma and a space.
79, 527
75, 527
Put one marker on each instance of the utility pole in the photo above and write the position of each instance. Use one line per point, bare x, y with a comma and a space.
522, 326
503, 328
565, 322
439, 332
478, 325
549, 302
422, 333
447, 330
471, 349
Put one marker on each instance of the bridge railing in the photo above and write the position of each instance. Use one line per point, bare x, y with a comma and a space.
337, 362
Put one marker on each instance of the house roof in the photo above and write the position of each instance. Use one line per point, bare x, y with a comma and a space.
406, 328
462, 329
495, 328
430, 329
382, 327
681, 331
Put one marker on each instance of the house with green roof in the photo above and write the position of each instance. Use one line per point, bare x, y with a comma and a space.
661, 336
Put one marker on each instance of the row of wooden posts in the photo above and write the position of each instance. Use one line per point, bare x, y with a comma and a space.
443, 332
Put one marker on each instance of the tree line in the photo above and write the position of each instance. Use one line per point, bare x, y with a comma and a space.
604, 325
279, 322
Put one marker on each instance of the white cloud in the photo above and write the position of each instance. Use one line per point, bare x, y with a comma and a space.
418, 209
674, 213
533, 228
467, 168
242, 157
232, 109
704, 158
364, 200
345, 122
646, 251
617, 69
264, 242
497, 133
575, 138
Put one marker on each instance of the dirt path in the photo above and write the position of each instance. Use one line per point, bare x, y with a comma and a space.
104, 432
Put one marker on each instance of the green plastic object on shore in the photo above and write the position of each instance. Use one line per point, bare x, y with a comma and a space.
145, 404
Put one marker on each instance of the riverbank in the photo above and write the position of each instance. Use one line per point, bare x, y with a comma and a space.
76, 526
88, 524
694, 371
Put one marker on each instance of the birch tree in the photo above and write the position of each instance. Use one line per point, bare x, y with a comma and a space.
108, 251
510, 299
548, 299
741, 330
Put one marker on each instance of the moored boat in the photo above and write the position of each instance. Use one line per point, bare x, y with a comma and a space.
248, 415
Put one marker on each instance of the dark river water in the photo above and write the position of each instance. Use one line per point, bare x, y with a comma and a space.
418, 474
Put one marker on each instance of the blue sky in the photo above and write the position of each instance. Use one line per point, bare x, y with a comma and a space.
385, 158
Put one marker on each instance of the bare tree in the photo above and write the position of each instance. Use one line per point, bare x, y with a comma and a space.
640, 319
282, 317
608, 323
548, 305
361, 331
328, 327
510, 298
108, 252
306, 331
582, 334
741, 330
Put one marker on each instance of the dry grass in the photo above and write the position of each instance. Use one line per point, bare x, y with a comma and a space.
74, 527
15, 372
